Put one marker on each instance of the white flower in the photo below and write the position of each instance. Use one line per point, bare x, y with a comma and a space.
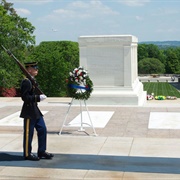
79, 72
74, 71
85, 71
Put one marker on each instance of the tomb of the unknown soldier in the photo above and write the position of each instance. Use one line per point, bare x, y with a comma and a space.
111, 61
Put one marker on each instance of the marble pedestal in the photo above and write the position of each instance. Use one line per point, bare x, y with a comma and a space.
111, 61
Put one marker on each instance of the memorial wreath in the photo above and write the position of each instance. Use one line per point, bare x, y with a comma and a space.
79, 84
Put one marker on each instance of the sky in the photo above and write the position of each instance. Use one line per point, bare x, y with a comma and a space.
59, 20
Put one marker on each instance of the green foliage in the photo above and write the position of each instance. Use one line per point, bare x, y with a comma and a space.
150, 51
142, 51
15, 35
161, 88
173, 61
55, 61
170, 57
151, 66
15, 31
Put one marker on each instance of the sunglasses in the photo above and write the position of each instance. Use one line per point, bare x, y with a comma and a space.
35, 67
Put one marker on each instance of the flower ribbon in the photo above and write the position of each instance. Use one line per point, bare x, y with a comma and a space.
78, 87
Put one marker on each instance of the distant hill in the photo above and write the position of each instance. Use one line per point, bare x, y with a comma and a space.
163, 44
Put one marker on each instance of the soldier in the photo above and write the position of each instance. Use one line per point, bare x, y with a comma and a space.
33, 117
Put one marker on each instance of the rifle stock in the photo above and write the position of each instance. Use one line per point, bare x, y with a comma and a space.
24, 71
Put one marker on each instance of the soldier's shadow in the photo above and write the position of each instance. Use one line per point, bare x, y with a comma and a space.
10, 157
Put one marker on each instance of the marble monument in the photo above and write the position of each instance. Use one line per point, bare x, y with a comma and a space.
111, 61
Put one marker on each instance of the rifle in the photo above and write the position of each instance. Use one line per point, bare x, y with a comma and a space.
26, 73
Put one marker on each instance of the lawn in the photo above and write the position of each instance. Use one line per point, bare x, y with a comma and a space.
161, 89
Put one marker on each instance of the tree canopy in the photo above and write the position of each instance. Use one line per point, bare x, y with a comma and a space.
169, 57
16, 34
151, 66
56, 60
173, 61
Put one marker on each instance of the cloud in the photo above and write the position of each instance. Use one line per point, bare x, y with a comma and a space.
92, 6
133, 2
168, 30
21, 11
79, 4
81, 10
36, 2
139, 18
165, 11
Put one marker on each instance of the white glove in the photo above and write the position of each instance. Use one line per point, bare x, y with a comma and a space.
42, 97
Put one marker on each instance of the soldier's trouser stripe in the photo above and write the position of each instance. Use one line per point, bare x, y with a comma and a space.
27, 137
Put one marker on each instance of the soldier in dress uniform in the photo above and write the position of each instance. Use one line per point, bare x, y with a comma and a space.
33, 117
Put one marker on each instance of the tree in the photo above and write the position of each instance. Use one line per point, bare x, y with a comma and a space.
151, 66
55, 59
16, 34
153, 51
142, 51
173, 64
14, 30
150, 51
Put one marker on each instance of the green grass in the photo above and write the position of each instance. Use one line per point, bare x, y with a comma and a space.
161, 88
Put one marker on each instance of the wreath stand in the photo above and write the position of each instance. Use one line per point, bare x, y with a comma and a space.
81, 127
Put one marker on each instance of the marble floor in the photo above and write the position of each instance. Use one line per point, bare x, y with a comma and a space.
133, 143
164, 120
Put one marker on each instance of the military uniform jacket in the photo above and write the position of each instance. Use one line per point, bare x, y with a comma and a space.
30, 107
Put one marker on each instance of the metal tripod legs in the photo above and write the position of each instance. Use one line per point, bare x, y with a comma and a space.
81, 125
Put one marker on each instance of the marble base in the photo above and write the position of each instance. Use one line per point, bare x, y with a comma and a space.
164, 120
99, 119
118, 95
14, 119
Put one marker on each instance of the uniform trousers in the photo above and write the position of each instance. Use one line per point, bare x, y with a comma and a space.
29, 126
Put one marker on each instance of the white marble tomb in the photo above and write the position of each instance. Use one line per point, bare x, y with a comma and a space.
111, 61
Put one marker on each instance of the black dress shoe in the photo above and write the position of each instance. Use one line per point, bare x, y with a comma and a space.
32, 157
45, 155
